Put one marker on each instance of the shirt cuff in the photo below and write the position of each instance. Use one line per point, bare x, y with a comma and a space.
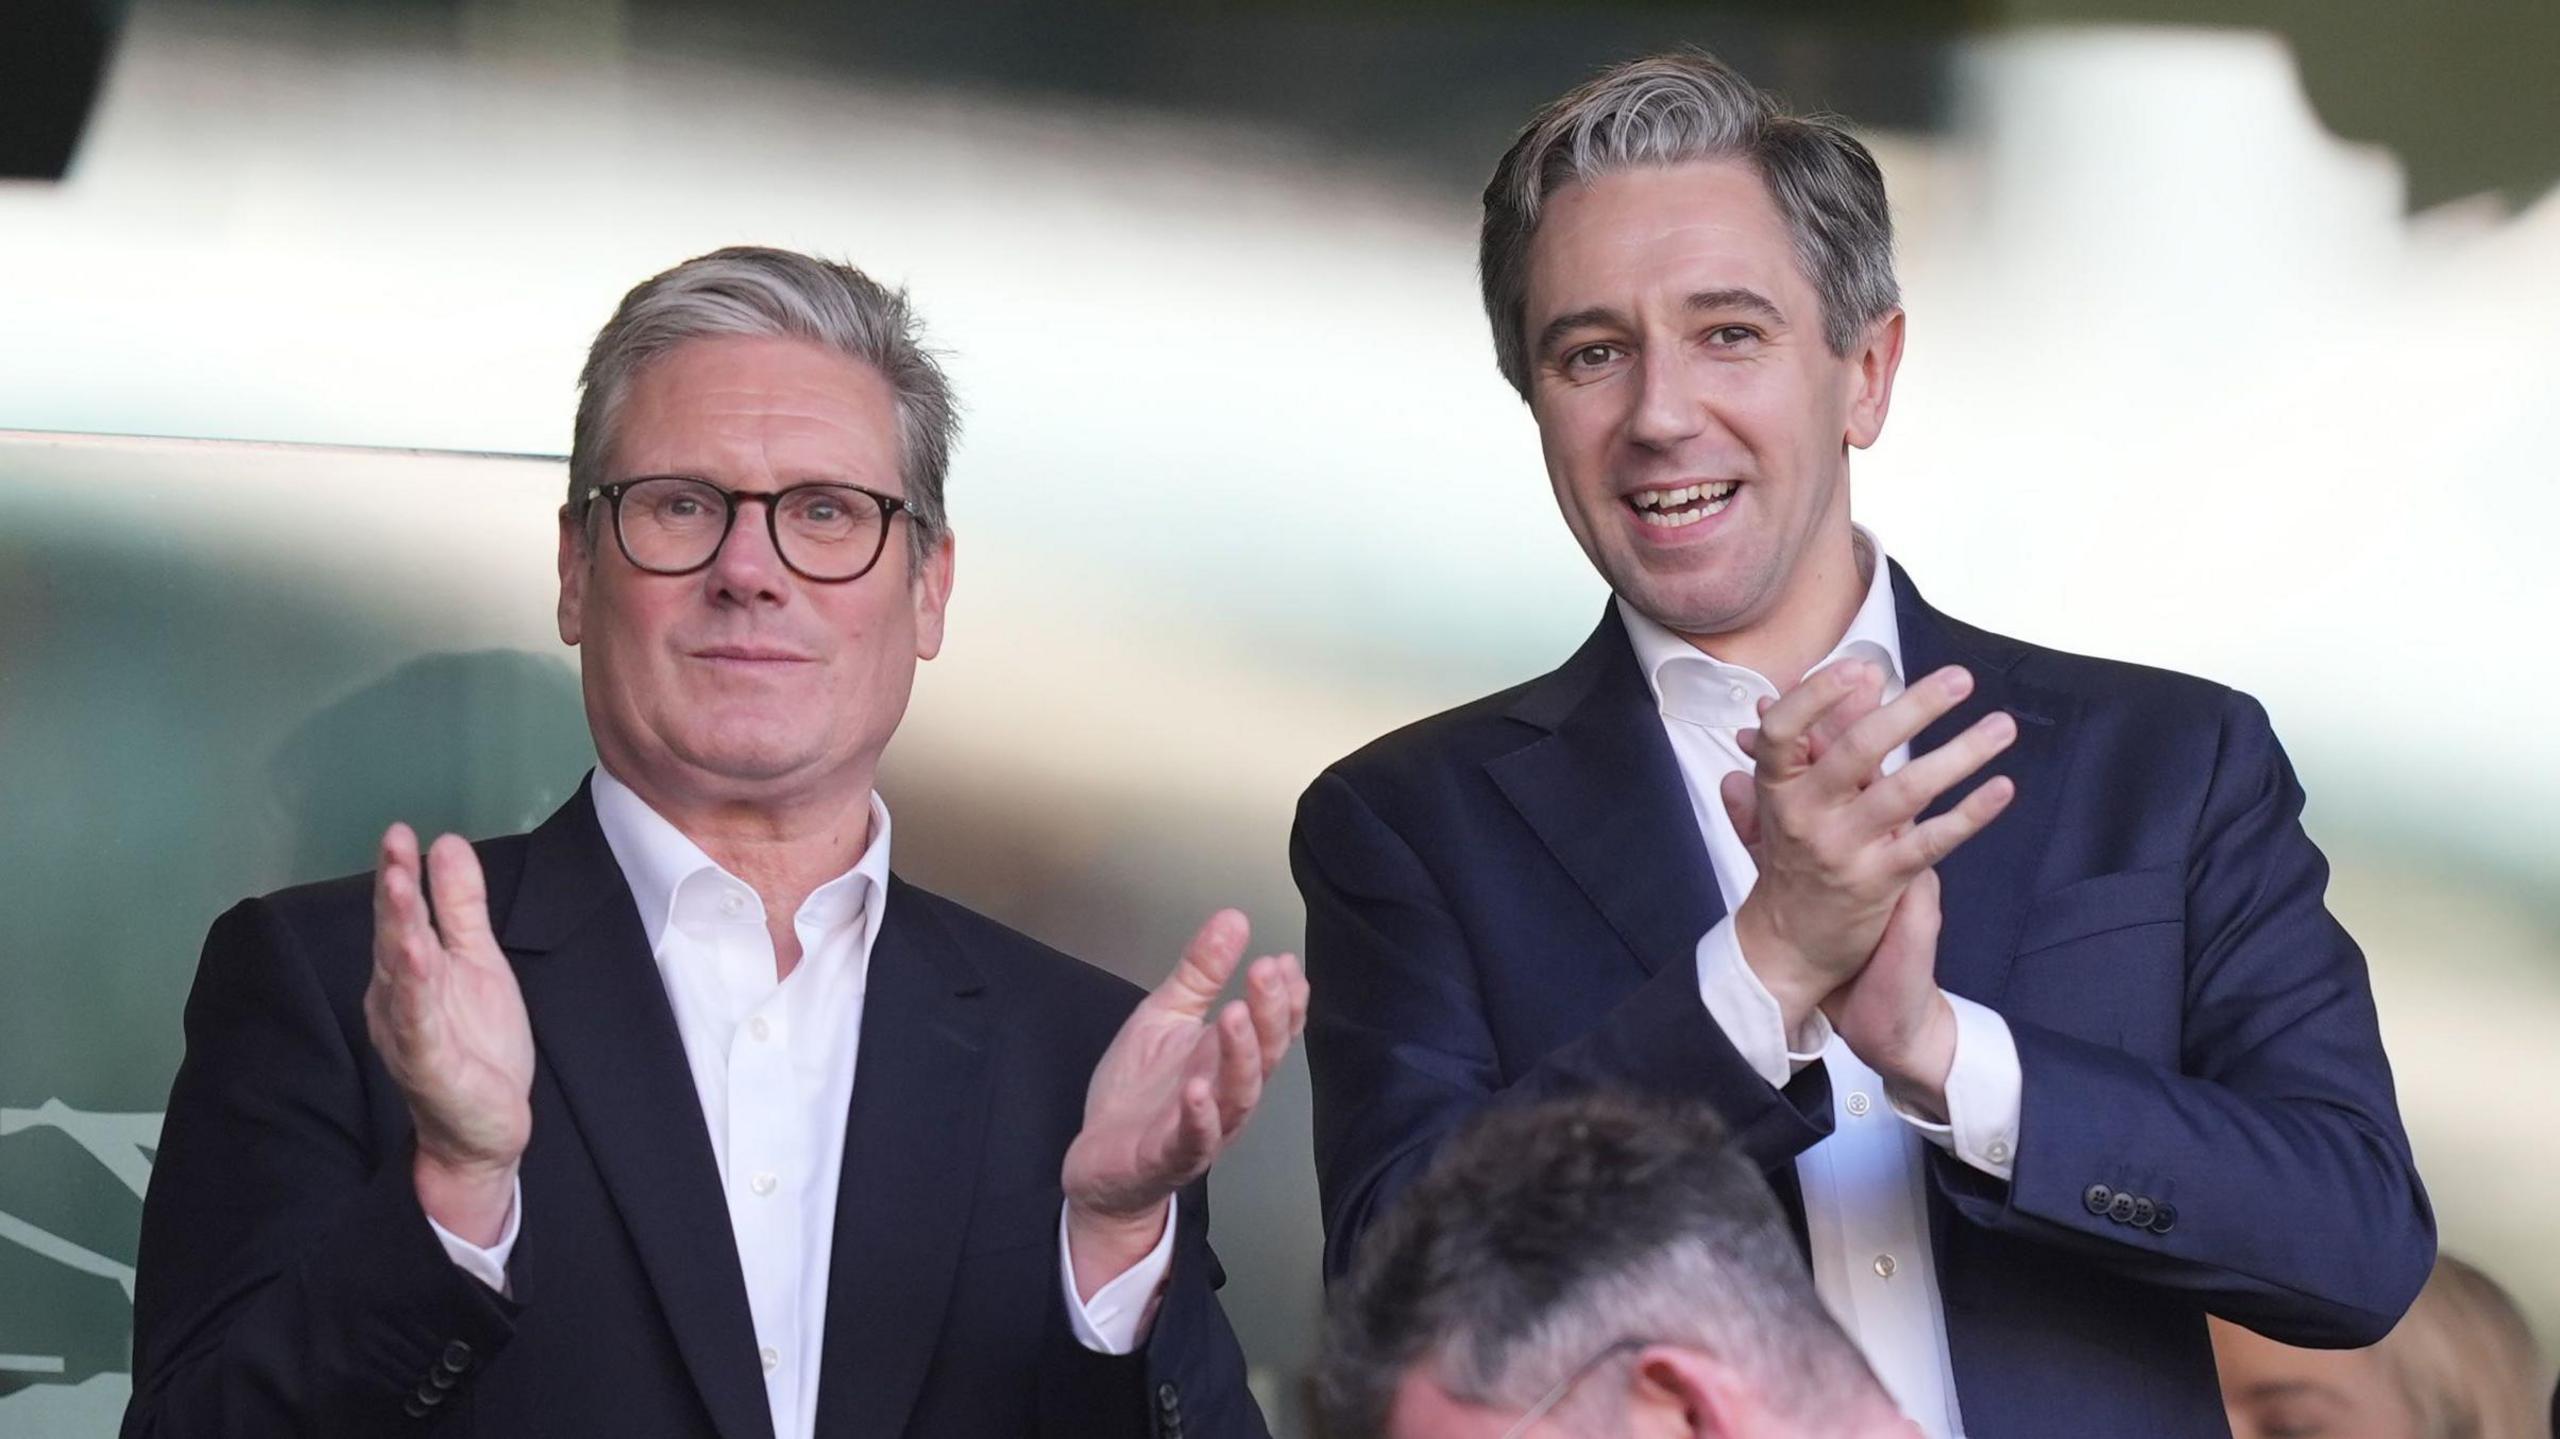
1985, 1090
1749, 1015
489, 1265
1112, 1321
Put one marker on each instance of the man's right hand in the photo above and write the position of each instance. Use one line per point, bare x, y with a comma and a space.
1836, 840
444, 1013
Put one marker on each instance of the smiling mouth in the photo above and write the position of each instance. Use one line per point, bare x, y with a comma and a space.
1685, 505
734, 655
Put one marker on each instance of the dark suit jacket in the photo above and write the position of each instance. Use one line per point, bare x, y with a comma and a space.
1503, 903
290, 1285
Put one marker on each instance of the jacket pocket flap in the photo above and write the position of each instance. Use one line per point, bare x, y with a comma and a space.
2104, 902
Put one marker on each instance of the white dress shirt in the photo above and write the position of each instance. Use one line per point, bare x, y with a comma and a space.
773, 1064
1865, 1187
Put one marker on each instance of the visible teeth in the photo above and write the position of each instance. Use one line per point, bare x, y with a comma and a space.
1671, 509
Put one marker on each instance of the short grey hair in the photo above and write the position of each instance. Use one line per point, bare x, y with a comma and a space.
1668, 110
1543, 1235
755, 291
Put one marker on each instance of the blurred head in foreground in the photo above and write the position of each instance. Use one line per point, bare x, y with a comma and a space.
2461, 1365
1597, 1266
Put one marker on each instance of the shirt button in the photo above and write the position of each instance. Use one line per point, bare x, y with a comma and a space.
1740, 693
772, 1358
760, 1029
733, 903
1859, 1103
763, 1183
1997, 1151
1884, 1266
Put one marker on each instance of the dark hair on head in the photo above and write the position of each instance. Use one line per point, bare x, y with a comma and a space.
1543, 1234
1671, 109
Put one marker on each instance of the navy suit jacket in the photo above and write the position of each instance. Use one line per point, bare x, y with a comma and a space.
290, 1284
1504, 902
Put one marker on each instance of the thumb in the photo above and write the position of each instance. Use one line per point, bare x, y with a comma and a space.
1742, 805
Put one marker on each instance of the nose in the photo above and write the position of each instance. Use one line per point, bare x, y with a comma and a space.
1671, 400
747, 568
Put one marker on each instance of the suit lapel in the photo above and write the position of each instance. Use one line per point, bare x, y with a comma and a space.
1604, 794
1987, 882
604, 1028
912, 1145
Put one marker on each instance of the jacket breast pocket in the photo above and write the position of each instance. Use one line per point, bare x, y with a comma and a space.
2128, 899
2104, 959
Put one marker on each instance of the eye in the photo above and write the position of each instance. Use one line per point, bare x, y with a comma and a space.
823, 510
1592, 357
1731, 336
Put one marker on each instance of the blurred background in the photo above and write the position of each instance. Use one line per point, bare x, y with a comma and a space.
2231, 350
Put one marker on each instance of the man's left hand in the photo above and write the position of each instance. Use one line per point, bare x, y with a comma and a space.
1172, 1091
1892, 1013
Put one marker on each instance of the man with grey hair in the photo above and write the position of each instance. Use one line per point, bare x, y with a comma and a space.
2009, 967
683, 1114
1595, 1265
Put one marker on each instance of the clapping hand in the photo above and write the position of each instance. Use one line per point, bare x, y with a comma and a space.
1172, 1092
444, 1013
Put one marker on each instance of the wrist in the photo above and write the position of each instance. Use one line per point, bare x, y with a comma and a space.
1915, 1070
1778, 965
470, 1199
1102, 1247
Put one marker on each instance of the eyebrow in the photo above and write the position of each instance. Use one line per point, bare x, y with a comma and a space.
1734, 298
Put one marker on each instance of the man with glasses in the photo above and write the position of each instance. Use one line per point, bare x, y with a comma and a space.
2010, 967
1597, 1267
683, 1114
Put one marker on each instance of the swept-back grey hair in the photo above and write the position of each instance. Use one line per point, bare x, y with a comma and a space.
1543, 1235
1667, 110
752, 290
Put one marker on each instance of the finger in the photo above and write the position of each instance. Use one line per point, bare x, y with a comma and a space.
1856, 757
461, 896
1899, 797
1787, 725
1299, 992
1932, 840
1195, 1138
1239, 1068
1267, 995
1741, 798
398, 910
1865, 694
1205, 964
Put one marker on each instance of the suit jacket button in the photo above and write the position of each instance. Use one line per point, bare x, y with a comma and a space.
2144, 1211
1168, 1397
456, 1357
415, 1407
2120, 1209
2096, 1197
2165, 1220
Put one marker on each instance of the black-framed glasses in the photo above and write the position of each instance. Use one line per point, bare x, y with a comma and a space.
675, 524
1565, 1386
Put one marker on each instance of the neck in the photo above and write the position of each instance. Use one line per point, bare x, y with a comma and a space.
782, 849
1806, 620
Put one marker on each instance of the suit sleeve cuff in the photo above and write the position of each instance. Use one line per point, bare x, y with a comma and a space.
489, 1265
1114, 1320
1985, 1091
1749, 1015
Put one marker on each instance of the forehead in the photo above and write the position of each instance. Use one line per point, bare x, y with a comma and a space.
753, 410
1657, 232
